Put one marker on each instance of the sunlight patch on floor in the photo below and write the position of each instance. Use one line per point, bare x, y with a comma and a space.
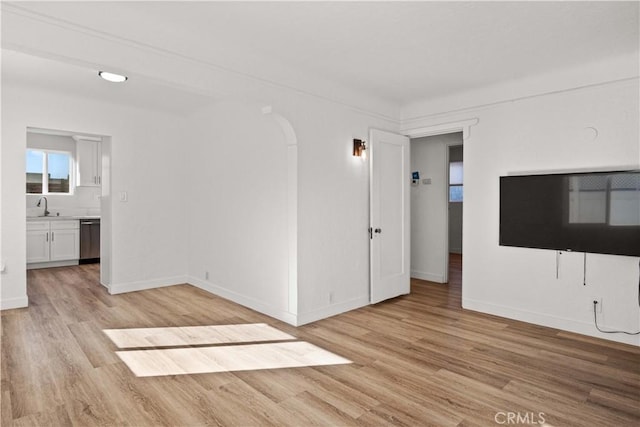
254, 347
195, 335
177, 361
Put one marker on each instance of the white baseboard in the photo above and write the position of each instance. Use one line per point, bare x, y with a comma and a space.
146, 284
9, 303
36, 265
243, 300
542, 319
332, 310
422, 275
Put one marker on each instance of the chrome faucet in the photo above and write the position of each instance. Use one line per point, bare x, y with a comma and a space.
46, 212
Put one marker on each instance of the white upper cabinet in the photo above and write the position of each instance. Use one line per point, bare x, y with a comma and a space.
89, 163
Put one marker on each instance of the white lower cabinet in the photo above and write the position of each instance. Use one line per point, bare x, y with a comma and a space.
49, 241
37, 245
64, 244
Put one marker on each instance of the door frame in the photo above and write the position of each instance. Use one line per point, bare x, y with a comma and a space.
447, 159
106, 233
463, 126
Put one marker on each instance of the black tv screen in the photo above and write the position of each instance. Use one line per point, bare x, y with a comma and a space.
595, 212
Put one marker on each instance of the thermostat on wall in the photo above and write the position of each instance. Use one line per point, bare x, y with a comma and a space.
415, 178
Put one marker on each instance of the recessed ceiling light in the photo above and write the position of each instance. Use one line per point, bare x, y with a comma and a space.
112, 77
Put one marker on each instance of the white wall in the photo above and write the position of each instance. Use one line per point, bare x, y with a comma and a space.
149, 231
13, 292
429, 208
240, 207
333, 208
237, 207
547, 133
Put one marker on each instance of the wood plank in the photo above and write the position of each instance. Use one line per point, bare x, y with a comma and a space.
97, 347
55, 417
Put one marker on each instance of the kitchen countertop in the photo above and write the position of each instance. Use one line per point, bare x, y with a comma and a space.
60, 218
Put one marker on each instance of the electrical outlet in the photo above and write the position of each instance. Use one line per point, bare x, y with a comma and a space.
330, 297
598, 306
206, 275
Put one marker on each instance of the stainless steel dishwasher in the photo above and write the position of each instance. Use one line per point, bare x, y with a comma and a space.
89, 241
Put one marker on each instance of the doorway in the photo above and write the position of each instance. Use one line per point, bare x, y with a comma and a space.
428, 194
436, 205
456, 198
67, 177
455, 202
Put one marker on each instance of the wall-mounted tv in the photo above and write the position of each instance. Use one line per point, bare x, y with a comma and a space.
595, 212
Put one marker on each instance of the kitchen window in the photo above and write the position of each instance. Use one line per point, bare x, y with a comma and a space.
455, 182
49, 172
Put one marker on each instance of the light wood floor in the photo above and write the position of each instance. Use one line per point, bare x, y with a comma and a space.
417, 360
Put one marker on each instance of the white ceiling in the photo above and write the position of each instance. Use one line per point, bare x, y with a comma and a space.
402, 52
33, 71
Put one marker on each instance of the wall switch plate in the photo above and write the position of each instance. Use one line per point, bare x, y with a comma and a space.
123, 196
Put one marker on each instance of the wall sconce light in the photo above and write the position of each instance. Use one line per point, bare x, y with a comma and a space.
359, 148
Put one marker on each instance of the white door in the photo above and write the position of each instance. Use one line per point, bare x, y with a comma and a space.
390, 215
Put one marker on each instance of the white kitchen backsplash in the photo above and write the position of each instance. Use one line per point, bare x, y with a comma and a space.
84, 201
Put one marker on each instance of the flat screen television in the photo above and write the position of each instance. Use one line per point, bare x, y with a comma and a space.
595, 212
